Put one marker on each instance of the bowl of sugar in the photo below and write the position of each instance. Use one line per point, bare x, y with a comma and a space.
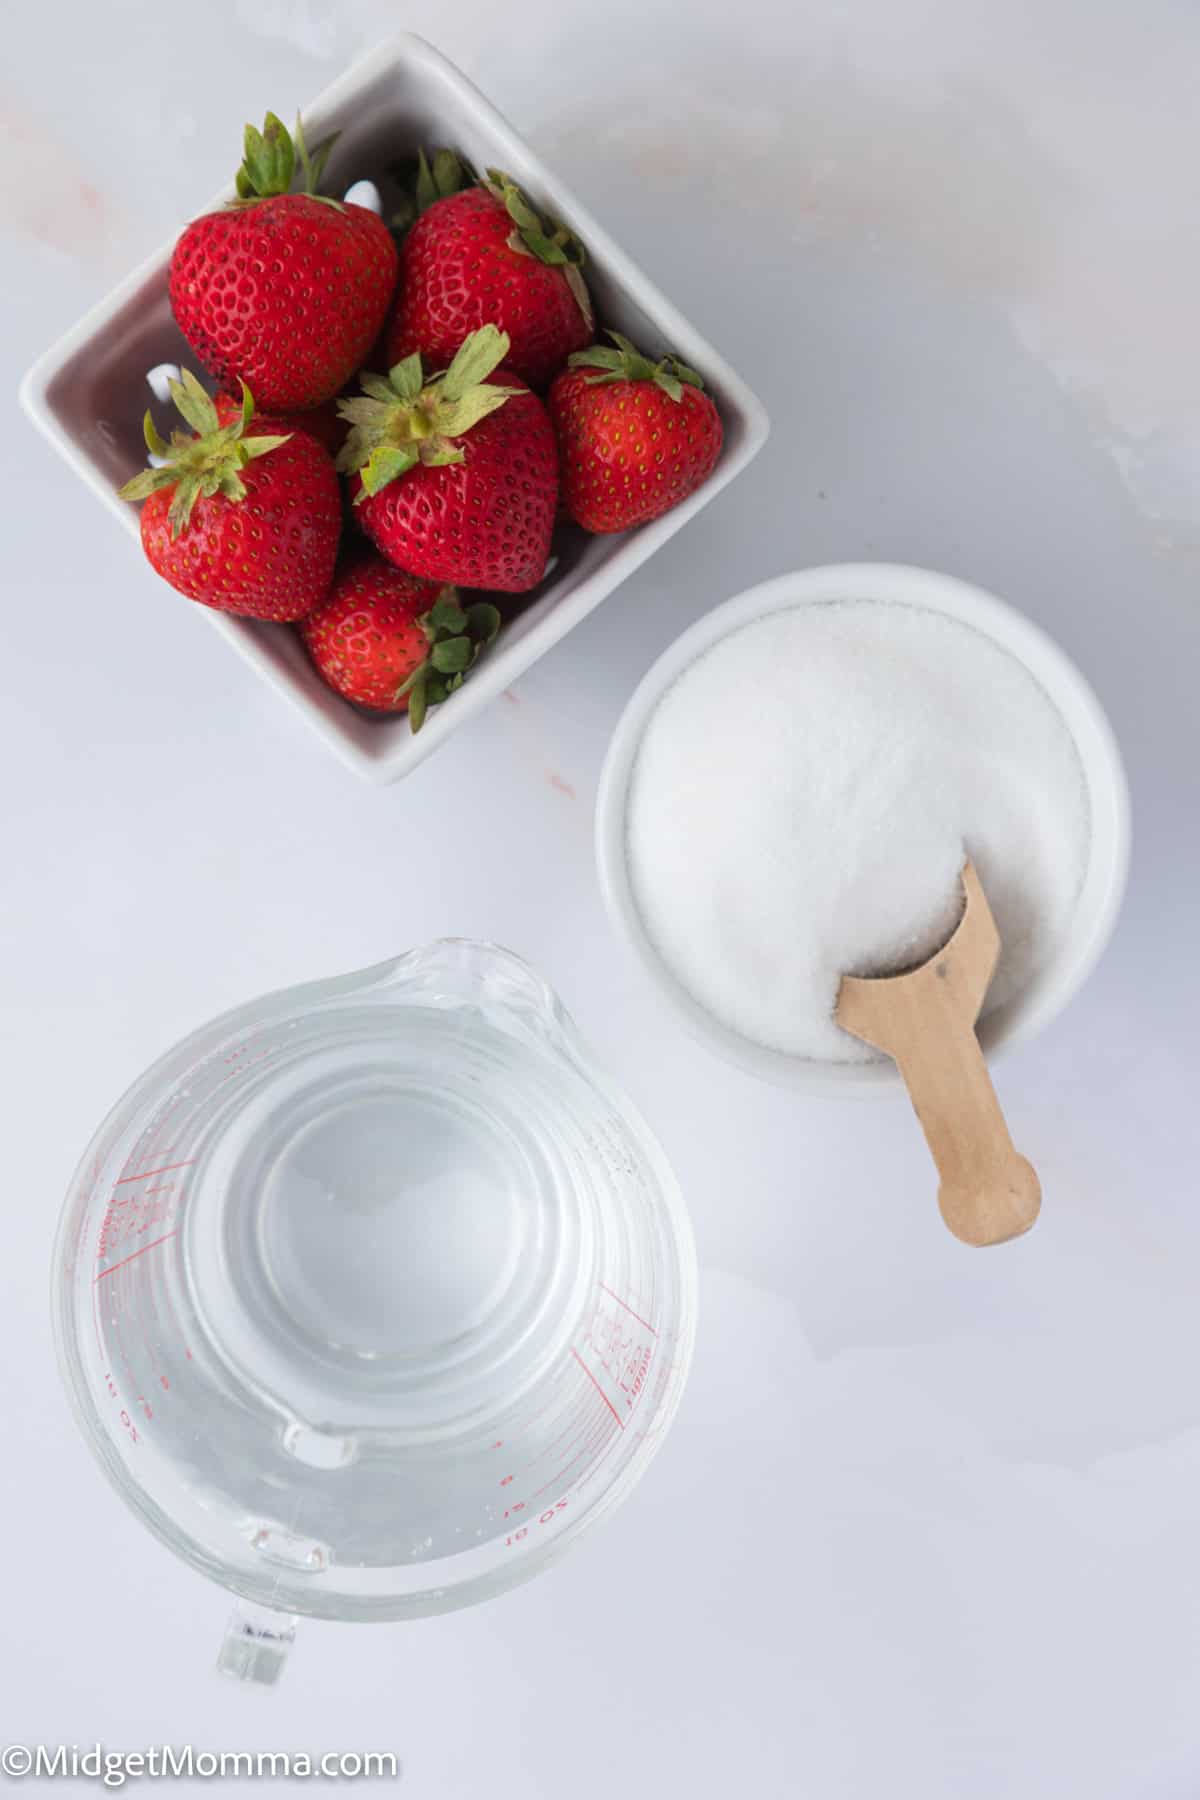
794, 787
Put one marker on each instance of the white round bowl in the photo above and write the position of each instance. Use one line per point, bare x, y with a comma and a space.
1108, 858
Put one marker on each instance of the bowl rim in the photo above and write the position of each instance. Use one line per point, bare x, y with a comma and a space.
390, 752
1099, 901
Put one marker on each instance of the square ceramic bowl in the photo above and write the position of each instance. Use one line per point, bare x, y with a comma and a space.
88, 393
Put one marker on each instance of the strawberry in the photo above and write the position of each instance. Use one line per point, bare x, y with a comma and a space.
635, 437
483, 256
388, 641
286, 292
246, 521
455, 477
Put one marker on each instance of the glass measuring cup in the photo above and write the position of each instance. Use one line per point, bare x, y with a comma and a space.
372, 1295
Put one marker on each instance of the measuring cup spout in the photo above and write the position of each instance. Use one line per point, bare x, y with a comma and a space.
484, 977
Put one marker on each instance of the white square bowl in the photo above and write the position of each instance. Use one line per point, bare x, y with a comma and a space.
87, 393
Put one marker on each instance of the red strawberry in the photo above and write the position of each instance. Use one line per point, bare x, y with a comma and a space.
485, 257
636, 437
455, 478
388, 641
286, 292
246, 521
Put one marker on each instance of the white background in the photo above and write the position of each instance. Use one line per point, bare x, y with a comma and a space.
926, 1525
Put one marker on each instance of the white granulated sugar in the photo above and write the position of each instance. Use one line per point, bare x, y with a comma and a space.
804, 798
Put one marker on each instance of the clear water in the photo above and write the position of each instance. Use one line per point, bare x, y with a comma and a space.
386, 1288
391, 1230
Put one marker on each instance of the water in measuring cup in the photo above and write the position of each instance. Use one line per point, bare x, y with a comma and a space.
392, 1231
382, 1294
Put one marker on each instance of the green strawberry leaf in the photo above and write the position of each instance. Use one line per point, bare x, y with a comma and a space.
194, 404
683, 372
378, 387
405, 419
445, 615
418, 701
476, 404
427, 189
156, 445
545, 248
207, 461
269, 163
457, 636
384, 464
179, 513
435, 180
147, 482
478, 356
404, 215
453, 655
626, 363
361, 411
596, 356
483, 621
313, 164
225, 481
573, 275
552, 243
262, 446
449, 175
269, 158
519, 210
404, 380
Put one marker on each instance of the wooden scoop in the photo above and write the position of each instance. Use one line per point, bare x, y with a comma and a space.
925, 1020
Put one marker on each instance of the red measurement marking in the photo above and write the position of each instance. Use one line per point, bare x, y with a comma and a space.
589, 1448
630, 1311
128, 1259
570, 1431
612, 1409
165, 1170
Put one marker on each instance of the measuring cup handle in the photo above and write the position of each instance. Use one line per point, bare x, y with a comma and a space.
256, 1644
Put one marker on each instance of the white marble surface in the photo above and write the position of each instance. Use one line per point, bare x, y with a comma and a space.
926, 1524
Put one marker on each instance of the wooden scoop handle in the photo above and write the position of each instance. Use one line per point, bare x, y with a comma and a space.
988, 1192
925, 1021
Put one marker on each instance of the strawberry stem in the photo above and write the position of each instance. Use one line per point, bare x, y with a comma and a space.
269, 161
626, 363
457, 637
446, 175
403, 419
550, 241
206, 461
